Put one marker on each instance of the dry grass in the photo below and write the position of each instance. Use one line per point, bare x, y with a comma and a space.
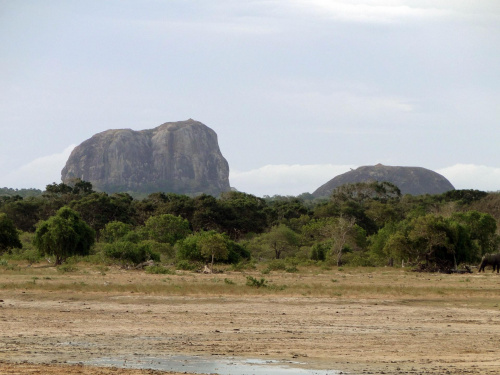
347, 283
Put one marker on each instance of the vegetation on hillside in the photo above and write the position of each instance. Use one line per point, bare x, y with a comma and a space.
363, 224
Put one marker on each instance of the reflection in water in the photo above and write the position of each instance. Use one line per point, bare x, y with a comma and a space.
203, 365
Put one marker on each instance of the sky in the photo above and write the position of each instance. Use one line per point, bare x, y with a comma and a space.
298, 91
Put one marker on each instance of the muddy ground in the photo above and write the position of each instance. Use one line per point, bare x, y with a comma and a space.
357, 322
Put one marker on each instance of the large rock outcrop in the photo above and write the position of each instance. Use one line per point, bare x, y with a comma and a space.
181, 157
410, 180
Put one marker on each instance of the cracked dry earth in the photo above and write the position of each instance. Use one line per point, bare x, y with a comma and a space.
54, 332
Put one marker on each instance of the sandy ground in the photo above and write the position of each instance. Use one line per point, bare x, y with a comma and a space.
49, 330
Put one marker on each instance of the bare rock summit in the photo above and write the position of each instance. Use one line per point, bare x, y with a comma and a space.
180, 157
410, 180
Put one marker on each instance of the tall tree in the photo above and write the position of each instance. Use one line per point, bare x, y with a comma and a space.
281, 240
213, 246
9, 237
64, 235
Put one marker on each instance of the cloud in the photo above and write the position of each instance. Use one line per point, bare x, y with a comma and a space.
367, 11
38, 173
471, 176
285, 179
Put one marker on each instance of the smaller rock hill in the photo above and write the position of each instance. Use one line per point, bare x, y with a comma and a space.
410, 180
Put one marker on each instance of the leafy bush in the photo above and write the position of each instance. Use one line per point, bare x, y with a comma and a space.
358, 260
252, 281
129, 252
159, 270
67, 267
115, 231
277, 265
193, 248
243, 265
319, 251
161, 248
186, 265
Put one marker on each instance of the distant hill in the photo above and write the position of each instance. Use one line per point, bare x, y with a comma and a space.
410, 180
179, 157
8, 192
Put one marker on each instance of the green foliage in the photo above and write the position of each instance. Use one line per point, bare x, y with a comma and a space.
24, 213
186, 265
319, 251
242, 214
98, 209
482, 229
21, 193
67, 267
163, 249
166, 228
115, 231
201, 246
213, 246
237, 253
252, 281
64, 235
464, 196
282, 240
9, 237
130, 253
276, 265
159, 270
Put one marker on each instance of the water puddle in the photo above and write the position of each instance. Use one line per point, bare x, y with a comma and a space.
205, 365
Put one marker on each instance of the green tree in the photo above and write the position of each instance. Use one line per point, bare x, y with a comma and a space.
64, 235
242, 213
24, 213
9, 237
98, 209
482, 228
166, 228
213, 246
281, 240
129, 252
115, 231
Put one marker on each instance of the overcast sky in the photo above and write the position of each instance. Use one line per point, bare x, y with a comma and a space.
298, 91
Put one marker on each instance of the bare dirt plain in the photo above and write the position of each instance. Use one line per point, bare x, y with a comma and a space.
355, 320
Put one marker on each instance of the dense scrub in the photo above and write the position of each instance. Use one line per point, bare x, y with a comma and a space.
364, 224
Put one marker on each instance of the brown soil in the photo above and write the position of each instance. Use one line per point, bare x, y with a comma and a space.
356, 321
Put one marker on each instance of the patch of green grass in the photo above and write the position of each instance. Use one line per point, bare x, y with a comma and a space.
67, 267
159, 270
252, 281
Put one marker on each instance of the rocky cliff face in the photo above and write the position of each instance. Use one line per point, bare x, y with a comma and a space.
410, 180
181, 157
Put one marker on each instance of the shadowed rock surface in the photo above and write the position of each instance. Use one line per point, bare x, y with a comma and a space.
410, 180
181, 157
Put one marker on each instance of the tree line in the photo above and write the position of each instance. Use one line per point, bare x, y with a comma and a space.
363, 224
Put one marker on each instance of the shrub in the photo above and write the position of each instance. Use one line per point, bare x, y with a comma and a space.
129, 252
186, 265
252, 281
159, 270
160, 248
67, 267
277, 265
320, 250
115, 231
9, 236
